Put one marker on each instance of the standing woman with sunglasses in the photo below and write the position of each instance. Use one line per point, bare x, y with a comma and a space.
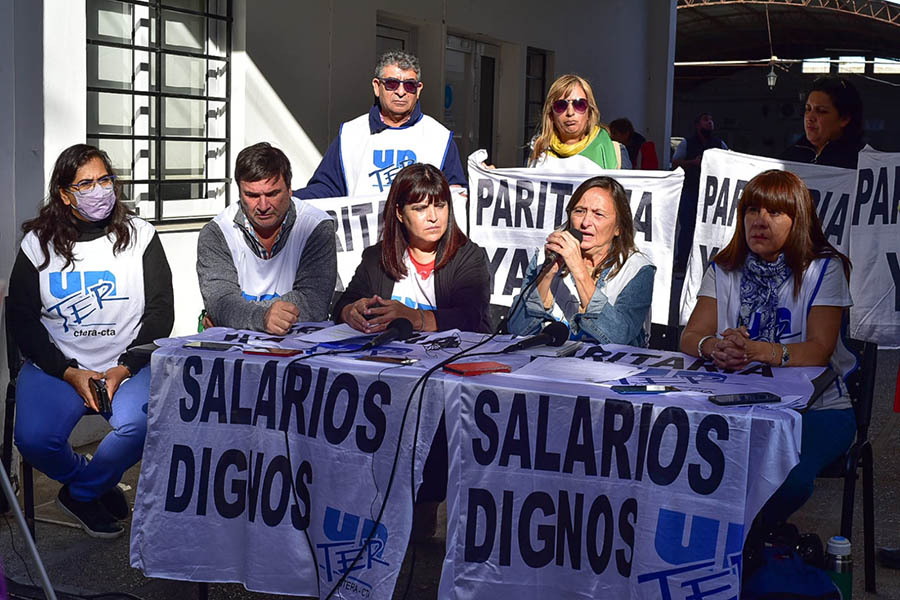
572, 138
90, 283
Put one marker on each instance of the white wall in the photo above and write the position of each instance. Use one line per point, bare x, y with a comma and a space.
318, 57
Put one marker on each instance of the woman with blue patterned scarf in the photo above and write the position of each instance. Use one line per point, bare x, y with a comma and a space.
778, 294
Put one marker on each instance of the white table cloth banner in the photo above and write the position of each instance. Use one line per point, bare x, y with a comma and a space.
570, 491
227, 435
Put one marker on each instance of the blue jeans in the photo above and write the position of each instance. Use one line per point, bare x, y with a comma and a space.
826, 436
47, 410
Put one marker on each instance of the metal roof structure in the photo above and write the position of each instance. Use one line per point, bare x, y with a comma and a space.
717, 30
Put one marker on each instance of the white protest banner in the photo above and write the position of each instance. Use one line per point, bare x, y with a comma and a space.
273, 475
511, 212
358, 225
562, 490
723, 175
875, 248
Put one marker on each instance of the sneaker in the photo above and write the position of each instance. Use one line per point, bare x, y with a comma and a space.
115, 503
93, 518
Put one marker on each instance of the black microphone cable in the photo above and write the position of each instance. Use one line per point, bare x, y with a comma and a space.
416, 387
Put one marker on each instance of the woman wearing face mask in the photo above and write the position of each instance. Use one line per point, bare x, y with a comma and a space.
90, 282
572, 138
833, 123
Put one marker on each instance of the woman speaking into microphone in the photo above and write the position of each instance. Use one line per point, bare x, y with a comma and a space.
590, 274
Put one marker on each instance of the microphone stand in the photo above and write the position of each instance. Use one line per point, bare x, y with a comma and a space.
20, 519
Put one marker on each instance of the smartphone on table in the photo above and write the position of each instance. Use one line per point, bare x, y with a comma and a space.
744, 399
644, 389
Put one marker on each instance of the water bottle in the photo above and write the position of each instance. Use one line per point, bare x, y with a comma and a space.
839, 565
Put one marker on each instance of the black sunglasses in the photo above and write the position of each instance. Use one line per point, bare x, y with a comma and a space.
410, 86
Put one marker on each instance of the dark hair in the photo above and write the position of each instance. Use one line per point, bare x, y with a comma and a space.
846, 100
700, 116
622, 125
416, 183
784, 192
404, 61
260, 162
56, 224
622, 245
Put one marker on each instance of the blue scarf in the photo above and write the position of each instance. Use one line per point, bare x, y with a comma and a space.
760, 281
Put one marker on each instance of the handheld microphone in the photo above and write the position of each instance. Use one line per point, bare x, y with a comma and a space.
553, 334
552, 256
398, 329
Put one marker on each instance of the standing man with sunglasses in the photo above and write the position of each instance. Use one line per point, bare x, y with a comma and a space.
372, 148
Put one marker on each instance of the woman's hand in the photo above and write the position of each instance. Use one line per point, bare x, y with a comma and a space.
730, 351
79, 379
568, 249
385, 311
114, 378
357, 314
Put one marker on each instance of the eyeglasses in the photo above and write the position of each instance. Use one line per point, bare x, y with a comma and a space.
107, 181
579, 104
410, 86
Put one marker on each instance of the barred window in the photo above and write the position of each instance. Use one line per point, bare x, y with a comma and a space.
158, 102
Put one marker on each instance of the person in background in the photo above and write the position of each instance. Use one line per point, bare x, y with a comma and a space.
602, 286
571, 137
89, 284
688, 156
423, 269
372, 148
267, 261
833, 124
641, 152
778, 294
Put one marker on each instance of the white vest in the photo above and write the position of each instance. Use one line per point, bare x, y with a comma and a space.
93, 309
792, 316
264, 279
371, 162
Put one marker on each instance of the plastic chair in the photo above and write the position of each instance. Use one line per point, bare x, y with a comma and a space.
14, 362
861, 386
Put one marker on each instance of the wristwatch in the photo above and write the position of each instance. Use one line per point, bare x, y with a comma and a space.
785, 355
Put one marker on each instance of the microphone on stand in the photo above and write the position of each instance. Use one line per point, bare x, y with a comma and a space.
553, 334
398, 329
551, 256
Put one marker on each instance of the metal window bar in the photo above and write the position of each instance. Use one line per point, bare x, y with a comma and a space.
158, 51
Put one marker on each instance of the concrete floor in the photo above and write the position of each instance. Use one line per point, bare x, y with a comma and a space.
80, 564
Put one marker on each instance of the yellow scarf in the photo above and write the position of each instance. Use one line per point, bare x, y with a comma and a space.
562, 150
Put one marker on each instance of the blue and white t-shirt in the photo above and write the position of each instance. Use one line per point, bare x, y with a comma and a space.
824, 284
414, 290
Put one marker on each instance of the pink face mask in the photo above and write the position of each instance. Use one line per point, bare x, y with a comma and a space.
96, 204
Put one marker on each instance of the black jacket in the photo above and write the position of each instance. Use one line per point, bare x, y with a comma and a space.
836, 153
461, 288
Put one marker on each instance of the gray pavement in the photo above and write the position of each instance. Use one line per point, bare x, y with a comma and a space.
83, 565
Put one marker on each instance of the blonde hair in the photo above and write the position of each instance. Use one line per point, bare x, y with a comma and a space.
560, 89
